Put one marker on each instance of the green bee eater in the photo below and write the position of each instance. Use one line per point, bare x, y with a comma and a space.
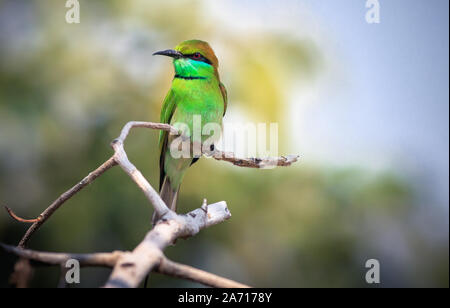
196, 91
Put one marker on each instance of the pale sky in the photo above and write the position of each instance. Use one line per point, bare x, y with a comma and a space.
383, 100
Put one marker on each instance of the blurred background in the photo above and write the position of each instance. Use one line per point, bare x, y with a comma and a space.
365, 105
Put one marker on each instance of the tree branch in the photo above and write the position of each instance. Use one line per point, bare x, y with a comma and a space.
132, 267
107, 259
120, 158
63, 198
148, 255
129, 268
259, 163
174, 269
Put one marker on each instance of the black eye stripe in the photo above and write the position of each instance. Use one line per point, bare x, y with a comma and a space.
202, 58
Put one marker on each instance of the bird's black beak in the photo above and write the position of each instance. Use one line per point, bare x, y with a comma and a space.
169, 53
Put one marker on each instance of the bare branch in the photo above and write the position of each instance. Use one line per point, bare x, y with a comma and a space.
129, 268
64, 197
19, 219
148, 256
260, 163
160, 126
107, 259
121, 158
132, 267
113, 161
174, 269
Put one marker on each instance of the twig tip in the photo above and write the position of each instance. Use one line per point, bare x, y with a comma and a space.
17, 218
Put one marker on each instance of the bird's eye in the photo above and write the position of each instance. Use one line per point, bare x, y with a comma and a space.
196, 56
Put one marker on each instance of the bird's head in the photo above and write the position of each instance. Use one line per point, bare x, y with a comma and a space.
193, 58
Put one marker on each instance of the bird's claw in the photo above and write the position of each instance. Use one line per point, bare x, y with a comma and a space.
205, 206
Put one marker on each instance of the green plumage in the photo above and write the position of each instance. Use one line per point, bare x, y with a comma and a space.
196, 90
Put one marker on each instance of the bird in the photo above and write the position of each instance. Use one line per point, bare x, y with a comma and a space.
196, 90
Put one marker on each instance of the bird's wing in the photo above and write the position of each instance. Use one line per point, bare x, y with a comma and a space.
223, 90
167, 112
225, 97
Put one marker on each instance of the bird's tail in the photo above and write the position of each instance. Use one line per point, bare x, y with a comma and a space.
169, 196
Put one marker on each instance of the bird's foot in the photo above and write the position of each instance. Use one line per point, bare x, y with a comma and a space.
205, 206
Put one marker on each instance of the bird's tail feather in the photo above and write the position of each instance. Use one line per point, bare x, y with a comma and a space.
169, 196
